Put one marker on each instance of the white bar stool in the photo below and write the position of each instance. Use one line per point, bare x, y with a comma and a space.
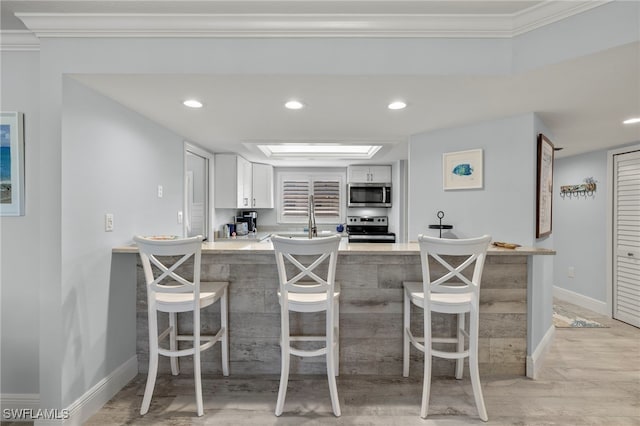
318, 293
171, 292
451, 293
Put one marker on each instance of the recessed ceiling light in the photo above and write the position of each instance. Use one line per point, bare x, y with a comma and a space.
632, 120
397, 105
192, 103
294, 105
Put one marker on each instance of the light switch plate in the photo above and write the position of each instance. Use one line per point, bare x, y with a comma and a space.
108, 222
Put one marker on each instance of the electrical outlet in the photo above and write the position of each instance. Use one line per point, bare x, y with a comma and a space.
571, 273
179, 217
160, 191
108, 222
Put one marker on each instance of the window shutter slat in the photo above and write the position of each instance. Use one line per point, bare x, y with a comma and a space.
295, 195
327, 191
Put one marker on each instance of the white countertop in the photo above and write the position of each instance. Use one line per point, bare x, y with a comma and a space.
252, 245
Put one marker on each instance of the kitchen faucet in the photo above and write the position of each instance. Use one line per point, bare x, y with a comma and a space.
313, 229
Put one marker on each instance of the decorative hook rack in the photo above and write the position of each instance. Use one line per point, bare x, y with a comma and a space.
584, 189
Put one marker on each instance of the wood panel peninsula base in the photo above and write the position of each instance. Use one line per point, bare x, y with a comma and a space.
371, 277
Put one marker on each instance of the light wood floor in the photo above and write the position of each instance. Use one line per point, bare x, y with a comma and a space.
590, 377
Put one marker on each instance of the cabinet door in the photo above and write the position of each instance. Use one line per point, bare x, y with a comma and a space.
358, 174
262, 186
380, 174
226, 181
245, 183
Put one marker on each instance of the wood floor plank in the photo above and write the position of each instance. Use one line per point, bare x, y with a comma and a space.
590, 377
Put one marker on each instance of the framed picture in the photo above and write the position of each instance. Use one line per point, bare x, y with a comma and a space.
462, 169
544, 186
12, 163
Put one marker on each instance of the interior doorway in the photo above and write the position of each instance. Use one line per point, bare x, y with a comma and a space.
625, 256
197, 192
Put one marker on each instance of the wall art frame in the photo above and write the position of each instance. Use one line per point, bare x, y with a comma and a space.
463, 170
544, 187
12, 164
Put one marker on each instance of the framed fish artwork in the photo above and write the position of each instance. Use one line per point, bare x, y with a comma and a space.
462, 169
12, 163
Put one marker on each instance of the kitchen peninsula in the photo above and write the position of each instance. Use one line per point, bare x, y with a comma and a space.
371, 277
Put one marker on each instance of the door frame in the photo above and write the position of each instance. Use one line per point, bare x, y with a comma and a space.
190, 147
609, 243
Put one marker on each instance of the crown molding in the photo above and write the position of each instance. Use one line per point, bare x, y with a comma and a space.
549, 12
302, 25
18, 40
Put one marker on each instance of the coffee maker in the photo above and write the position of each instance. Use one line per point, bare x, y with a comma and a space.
251, 217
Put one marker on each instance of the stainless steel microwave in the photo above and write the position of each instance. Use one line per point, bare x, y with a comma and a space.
369, 195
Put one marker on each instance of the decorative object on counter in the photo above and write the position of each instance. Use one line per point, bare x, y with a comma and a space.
12, 164
544, 187
305, 288
229, 230
440, 226
340, 228
462, 169
585, 189
242, 225
172, 293
451, 293
505, 245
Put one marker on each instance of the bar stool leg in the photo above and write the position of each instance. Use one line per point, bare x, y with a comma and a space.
460, 348
331, 373
473, 366
406, 348
336, 347
173, 342
224, 341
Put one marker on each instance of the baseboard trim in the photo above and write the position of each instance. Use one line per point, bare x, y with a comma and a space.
93, 400
581, 300
536, 359
18, 401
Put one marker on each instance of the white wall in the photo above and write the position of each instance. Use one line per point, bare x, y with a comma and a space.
19, 298
504, 208
580, 226
113, 160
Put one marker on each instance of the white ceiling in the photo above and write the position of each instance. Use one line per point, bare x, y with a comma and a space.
582, 101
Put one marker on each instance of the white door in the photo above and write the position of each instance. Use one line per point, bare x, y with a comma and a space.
626, 238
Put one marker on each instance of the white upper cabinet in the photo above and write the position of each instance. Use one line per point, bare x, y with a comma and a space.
233, 182
369, 174
239, 184
262, 186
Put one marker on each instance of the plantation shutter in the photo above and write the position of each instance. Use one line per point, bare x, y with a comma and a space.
295, 196
626, 256
326, 194
327, 190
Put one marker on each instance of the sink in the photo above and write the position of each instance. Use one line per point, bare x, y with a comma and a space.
300, 234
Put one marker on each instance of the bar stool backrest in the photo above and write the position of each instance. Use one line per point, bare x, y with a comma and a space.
453, 280
169, 280
301, 278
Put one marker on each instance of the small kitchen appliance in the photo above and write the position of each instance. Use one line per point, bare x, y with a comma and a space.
251, 217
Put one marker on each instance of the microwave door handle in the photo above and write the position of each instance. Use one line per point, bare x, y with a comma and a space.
384, 195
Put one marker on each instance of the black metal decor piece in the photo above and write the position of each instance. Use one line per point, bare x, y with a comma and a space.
440, 226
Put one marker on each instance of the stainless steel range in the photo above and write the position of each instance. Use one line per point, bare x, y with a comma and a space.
369, 229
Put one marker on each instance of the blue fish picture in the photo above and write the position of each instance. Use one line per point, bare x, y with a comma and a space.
463, 169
